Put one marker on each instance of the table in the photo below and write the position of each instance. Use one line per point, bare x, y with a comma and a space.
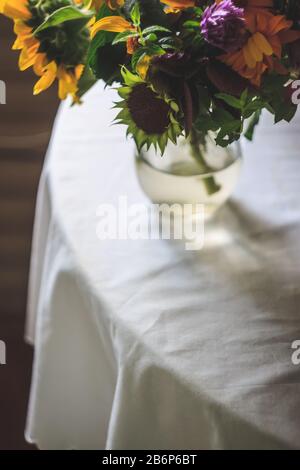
143, 344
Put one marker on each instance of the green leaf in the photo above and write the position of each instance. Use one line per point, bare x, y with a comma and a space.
231, 100
155, 29
106, 62
252, 106
152, 12
228, 133
221, 116
122, 37
244, 97
276, 101
68, 13
206, 123
204, 98
149, 50
191, 24
151, 38
252, 125
137, 56
135, 15
101, 40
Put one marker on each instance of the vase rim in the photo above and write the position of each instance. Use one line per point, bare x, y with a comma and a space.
237, 157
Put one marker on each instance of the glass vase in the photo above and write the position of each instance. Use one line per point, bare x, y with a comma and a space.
190, 173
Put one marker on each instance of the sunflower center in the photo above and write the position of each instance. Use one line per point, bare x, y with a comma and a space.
149, 112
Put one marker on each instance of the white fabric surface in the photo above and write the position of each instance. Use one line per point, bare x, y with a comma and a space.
142, 344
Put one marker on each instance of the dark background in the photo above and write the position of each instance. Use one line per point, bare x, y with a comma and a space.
25, 128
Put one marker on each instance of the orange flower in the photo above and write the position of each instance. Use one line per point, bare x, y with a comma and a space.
263, 49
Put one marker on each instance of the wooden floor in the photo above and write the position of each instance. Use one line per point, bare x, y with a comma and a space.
25, 127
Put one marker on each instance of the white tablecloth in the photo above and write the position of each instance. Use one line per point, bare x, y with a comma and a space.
142, 344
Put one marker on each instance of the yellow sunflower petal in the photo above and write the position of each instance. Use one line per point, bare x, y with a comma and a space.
78, 71
15, 9
46, 79
21, 28
27, 57
40, 64
114, 24
67, 84
143, 66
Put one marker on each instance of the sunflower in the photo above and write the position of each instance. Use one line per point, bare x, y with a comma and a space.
54, 53
152, 118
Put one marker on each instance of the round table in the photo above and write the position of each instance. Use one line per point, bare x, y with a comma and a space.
142, 344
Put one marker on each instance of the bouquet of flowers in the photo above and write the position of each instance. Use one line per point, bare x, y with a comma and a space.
181, 67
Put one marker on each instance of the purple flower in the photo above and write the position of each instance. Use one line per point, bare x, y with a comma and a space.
223, 26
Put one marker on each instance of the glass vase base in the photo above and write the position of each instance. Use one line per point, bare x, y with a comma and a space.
178, 186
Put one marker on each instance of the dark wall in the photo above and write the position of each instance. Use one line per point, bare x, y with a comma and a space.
25, 127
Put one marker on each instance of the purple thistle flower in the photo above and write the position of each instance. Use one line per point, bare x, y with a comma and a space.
223, 26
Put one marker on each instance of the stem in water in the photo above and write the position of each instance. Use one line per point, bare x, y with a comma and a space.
209, 182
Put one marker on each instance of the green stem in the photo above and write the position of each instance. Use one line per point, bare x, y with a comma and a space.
209, 182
